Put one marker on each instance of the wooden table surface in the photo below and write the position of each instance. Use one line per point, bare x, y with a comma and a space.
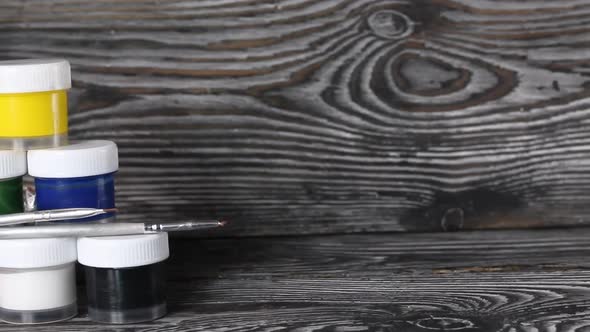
533, 280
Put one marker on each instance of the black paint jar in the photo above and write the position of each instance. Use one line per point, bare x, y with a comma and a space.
125, 277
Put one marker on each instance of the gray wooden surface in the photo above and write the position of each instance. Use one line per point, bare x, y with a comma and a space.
323, 116
505, 281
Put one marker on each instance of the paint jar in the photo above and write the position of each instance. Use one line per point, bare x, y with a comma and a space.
125, 277
13, 165
34, 103
76, 176
37, 280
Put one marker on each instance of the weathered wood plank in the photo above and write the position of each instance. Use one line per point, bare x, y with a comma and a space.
517, 281
384, 255
311, 116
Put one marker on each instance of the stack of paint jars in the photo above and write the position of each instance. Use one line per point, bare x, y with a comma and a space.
124, 275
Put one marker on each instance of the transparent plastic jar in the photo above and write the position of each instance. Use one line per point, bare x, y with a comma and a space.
76, 176
37, 280
34, 103
125, 277
13, 165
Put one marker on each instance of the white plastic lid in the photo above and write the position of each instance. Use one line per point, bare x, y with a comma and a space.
12, 163
123, 251
83, 159
34, 75
37, 253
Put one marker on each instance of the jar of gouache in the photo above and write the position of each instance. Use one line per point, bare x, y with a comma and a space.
37, 280
13, 165
76, 176
125, 277
34, 103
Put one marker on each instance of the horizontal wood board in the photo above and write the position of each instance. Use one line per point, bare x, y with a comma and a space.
328, 116
494, 281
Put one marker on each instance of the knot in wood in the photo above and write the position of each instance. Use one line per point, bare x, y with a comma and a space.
452, 220
444, 323
390, 24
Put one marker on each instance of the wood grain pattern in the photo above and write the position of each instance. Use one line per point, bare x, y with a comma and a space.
324, 116
496, 281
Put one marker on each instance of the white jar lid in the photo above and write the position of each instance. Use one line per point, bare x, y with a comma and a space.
34, 75
37, 253
12, 163
77, 160
123, 251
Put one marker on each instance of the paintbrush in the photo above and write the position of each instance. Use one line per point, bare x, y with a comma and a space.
103, 229
51, 215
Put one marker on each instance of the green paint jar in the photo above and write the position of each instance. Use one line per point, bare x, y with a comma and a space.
13, 165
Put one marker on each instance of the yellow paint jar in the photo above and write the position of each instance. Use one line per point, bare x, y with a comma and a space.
34, 103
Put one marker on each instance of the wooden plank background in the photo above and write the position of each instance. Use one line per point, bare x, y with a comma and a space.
324, 116
493, 281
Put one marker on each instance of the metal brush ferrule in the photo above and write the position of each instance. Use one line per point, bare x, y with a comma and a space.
151, 228
181, 226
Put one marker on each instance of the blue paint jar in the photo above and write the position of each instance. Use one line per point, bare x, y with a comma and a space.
76, 176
